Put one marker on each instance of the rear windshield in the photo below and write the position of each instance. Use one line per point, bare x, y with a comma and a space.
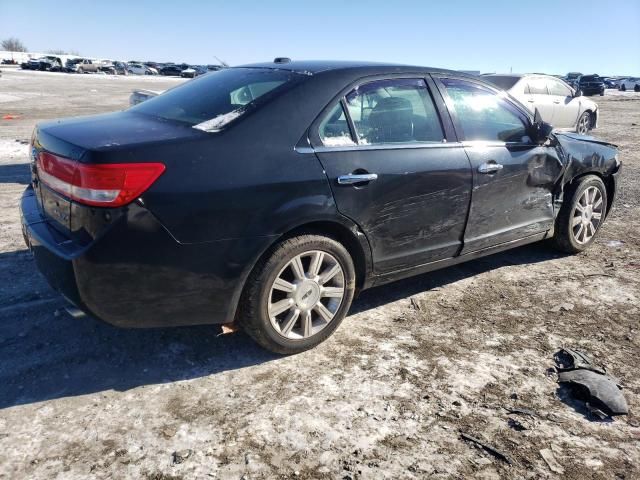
503, 82
212, 101
589, 78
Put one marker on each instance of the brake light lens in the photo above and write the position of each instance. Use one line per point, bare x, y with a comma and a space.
106, 185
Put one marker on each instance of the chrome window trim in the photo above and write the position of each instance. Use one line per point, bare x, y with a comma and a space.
386, 146
424, 77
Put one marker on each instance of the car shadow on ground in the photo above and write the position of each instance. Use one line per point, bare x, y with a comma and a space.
46, 354
15, 173
372, 298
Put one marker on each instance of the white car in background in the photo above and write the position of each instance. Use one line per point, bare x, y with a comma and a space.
139, 69
632, 84
558, 103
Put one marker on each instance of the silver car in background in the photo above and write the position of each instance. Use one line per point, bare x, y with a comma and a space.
632, 84
558, 103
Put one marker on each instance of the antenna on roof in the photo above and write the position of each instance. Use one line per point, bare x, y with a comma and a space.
221, 62
281, 60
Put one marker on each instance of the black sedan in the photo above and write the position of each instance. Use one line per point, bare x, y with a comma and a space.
269, 194
590, 85
171, 70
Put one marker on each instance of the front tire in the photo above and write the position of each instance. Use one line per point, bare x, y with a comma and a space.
299, 294
584, 123
623, 87
582, 214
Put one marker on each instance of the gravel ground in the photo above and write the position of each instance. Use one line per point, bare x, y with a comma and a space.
414, 364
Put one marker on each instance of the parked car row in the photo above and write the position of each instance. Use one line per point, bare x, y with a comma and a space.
74, 64
594, 84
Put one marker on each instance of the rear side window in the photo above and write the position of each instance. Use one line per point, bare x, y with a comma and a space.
394, 111
537, 86
483, 115
501, 81
212, 101
334, 129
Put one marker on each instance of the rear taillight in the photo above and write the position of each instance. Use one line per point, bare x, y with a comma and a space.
106, 185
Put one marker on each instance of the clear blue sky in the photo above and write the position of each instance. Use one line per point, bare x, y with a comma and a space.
537, 35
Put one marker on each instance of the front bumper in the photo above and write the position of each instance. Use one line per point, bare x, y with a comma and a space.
137, 275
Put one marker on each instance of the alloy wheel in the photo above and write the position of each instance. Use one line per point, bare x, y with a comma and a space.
306, 295
584, 123
587, 215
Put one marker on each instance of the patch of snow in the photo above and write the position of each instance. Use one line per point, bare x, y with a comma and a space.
217, 123
13, 152
338, 142
5, 97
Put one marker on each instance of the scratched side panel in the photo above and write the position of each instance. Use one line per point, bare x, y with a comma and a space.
415, 212
515, 202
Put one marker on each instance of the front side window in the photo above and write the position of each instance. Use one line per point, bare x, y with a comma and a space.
394, 111
558, 88
211, 101
483, 115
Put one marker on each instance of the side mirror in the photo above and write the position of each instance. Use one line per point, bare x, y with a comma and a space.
540, 130
577, 93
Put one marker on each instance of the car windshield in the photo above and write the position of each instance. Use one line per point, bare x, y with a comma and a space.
590, 78
212, 101
501, 81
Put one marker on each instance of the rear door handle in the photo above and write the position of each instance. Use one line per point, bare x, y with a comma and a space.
490, 167
353, 178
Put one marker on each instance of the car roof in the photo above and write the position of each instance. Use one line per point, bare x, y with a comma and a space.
513, 75
312, 67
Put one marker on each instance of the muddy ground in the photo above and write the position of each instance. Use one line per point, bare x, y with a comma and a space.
414, 364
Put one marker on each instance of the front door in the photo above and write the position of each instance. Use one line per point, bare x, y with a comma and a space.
566, 107
513, 178
392, 173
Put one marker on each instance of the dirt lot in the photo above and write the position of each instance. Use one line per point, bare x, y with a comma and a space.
414, 364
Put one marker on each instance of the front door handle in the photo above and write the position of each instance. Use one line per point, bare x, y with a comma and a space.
354, 178
490, 167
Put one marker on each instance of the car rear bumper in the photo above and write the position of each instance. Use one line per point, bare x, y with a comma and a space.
137, 275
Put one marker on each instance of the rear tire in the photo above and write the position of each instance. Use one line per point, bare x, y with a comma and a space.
582, 214
623, 88
636, 88
298, 295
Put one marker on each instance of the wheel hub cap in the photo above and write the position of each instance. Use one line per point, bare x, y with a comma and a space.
307, 294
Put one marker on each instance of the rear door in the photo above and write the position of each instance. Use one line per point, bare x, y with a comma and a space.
396, 171
538, 97
512, 176
565, 106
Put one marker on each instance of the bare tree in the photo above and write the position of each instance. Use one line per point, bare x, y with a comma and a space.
13, 45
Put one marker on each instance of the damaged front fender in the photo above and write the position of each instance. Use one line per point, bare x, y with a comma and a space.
581, 155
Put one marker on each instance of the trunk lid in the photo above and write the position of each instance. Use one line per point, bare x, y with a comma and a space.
101, 141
